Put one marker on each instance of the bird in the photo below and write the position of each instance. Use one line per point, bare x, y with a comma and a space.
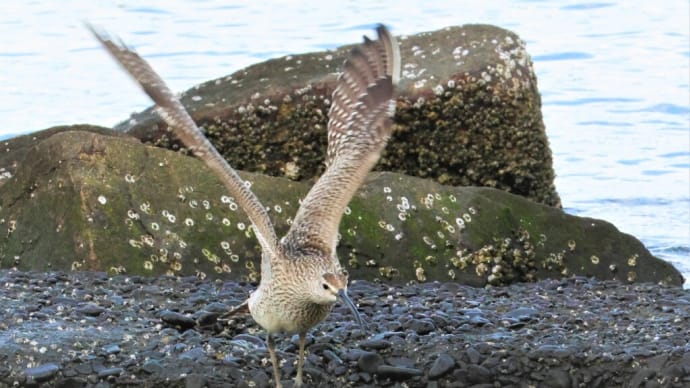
301, 275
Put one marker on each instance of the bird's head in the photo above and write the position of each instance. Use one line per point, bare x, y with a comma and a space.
329, 287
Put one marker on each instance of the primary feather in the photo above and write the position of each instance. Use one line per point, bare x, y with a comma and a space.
359, 124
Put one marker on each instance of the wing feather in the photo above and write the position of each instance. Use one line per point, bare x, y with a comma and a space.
360, 120
175, 115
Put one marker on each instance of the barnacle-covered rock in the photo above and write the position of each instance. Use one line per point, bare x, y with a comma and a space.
14, 150
83, 200
468, 113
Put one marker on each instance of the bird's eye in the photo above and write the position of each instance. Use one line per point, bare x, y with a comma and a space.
325, 286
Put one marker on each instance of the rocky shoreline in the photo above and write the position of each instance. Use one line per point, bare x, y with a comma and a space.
84, 329
465, 190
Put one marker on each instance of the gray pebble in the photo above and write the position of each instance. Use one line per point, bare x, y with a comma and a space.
369, 362
478, 374
217, 307
558, 378
84, 368
640, 377
192, 334
42, 372
353, 354
473, 355
396, 372
152, 366
260, 379
252, 339
180, 347
478, 320
177, 320
331, 356
90, 309
67, 372
442, 365
106, 372
194, 354
472, 311
522, 314
195, 380
420, 326
374, 344
553, 351
112, 349
401, 361
339, 370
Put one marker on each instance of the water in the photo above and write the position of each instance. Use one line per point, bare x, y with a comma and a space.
614, 78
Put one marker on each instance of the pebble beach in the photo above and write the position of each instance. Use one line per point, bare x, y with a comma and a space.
89, 329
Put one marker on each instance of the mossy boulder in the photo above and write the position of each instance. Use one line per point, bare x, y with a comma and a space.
90, 201
468, 113
14, 150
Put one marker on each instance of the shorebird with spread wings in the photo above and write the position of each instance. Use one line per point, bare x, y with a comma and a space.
301, 276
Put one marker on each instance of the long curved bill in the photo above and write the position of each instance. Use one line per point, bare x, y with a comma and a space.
342, 294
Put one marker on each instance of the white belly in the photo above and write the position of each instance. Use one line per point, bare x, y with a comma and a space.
271, 316
276, 317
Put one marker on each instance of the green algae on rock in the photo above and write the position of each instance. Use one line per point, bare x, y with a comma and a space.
14, 150
468, 113
83, 200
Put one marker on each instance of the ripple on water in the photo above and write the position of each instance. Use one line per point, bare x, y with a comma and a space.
586, 6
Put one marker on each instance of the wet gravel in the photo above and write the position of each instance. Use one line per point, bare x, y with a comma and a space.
89, 329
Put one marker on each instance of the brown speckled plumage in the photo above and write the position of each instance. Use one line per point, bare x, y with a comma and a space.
301, 277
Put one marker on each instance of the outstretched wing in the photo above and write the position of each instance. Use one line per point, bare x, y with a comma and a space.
173, 112
359, 125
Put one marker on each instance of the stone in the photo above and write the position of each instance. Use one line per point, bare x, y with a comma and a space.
478, 374
140, 210
195, 380
443, 364
72, 382
473, 355
374, 344
468, 113
90, 309
405, 362
152, 366
643, 375
420, 326
194, 354
369, 362
177, 320
557, 378
107, 372
112, 349
261, 379
252, 339
332, 357
42, 372
397, 372
521, 314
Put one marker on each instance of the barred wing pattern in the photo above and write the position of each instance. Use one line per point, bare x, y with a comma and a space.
171, 110
359, 125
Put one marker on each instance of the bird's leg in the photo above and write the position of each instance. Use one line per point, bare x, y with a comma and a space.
300, 359
270, 341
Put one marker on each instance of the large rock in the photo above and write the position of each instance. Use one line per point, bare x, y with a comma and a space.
468, 113
13, 151
89, 201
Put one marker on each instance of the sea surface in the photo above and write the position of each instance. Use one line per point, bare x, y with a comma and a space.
614, 78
